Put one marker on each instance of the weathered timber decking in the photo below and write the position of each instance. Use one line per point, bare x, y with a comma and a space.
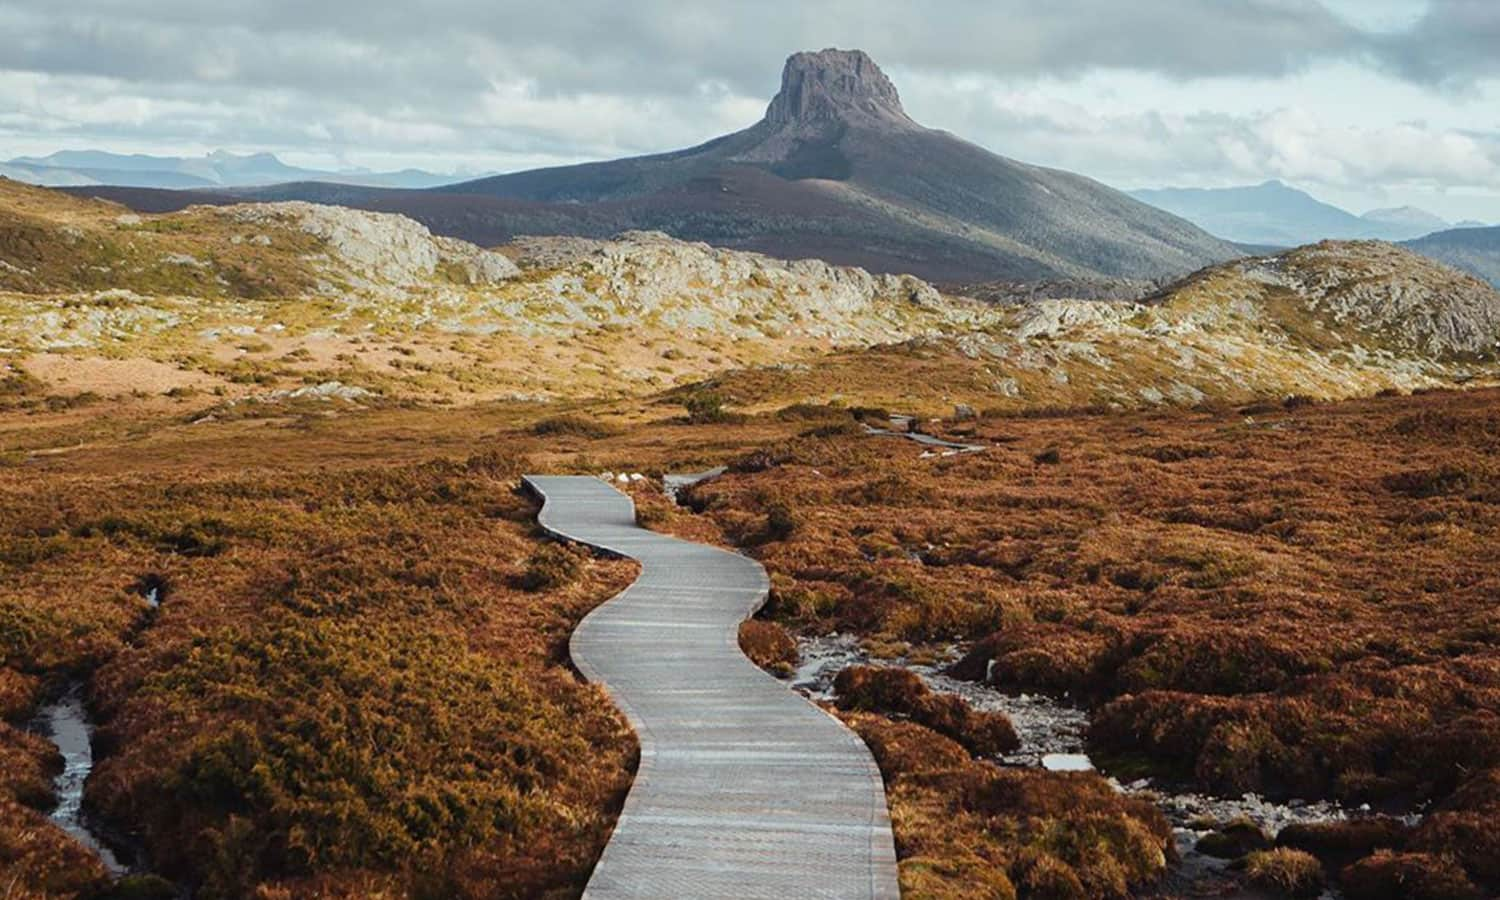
745, 789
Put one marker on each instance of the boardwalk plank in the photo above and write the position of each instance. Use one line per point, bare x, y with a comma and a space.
745, 789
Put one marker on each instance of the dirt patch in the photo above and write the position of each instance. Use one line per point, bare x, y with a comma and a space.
66, 374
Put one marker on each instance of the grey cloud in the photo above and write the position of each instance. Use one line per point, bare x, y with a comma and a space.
659, 47
1147, 149
440, 62
1454, 43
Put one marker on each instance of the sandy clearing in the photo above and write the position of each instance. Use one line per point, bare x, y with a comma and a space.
76, 375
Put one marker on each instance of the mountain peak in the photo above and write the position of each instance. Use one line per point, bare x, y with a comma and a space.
824, 87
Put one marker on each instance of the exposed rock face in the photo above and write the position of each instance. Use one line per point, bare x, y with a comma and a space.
645, 278
479, 266
835, 86
1053, 317
1403, 299
382, 247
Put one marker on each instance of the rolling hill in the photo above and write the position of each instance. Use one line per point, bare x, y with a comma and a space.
1475, 250
251, 307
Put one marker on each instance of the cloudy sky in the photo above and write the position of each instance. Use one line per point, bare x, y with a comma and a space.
1364, 103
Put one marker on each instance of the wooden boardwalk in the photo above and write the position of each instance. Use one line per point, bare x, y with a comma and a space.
745, 789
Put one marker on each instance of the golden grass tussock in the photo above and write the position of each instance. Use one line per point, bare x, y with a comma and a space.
769, 646
1285, 872
1386, 875
900, 693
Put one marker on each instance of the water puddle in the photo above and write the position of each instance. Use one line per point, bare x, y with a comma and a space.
1067, 762
671, 484
66, 723
939, 446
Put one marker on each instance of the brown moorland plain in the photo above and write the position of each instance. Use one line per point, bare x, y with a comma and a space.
356, 684
1294, 599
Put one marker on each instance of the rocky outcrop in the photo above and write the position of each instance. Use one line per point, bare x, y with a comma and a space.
1402, 300
645, 278
478, 266
645, 311
379, 247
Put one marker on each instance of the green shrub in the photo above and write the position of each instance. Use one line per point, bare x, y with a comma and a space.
1423, 483
842, 428
781, 521
809, 412
1234, 840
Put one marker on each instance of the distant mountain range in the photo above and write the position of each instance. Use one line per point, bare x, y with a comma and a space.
1475, 250
835, 170
220, 169
1278, 215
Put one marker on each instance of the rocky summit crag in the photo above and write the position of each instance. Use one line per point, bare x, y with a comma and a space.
836, 170
832, 88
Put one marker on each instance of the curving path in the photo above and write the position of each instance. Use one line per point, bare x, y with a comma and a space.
745, 789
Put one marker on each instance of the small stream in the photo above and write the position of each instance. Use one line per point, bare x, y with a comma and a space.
65, 722
1052, 734
939, 447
